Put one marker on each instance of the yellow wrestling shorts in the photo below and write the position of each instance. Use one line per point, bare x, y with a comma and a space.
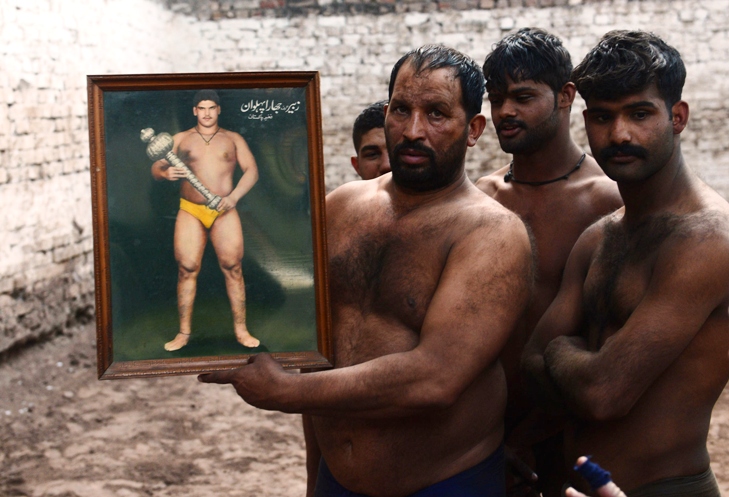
202, 213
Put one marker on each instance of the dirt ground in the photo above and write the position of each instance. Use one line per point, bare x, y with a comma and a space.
65, 434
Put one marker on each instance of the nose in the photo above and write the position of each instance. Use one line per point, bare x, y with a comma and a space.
620, 131
506, 109
415, 127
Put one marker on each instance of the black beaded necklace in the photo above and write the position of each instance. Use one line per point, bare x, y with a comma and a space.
509, 176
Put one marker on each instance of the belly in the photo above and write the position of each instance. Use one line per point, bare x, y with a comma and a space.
405, 454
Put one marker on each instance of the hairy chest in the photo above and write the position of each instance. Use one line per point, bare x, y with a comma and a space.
383, 267
620, 274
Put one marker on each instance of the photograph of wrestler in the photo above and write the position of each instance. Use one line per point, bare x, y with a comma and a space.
212, 244
214, 161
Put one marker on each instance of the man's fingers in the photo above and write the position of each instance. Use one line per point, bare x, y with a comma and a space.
219, 377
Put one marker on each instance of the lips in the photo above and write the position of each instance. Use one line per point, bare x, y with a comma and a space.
413, 153
412, 156
507, 129
622, 158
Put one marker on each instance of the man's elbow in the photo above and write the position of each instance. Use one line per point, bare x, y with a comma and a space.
435, 397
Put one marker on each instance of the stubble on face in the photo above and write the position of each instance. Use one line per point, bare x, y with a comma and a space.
644, 149
441, 142
439, 171
532, 137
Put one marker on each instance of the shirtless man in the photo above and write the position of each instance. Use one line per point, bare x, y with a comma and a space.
557, 190
211, 152
368, 135
635, 343
428, 277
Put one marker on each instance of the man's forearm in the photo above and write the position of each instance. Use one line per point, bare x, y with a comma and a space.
247, 181
540, 385
382, 388
578, 377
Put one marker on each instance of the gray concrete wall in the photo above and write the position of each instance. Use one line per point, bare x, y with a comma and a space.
47, 47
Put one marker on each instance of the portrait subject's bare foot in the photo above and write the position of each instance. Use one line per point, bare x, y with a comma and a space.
178, 342
247, 339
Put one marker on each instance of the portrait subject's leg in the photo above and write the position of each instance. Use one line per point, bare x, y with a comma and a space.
227, 237
190, 239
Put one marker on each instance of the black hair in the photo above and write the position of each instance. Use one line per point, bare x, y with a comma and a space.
529, 54
211, 95
432, 57
373, 116
627, 62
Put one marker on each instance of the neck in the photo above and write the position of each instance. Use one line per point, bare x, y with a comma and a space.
408, 200
546, 166
207, 129
669, 190
553, 159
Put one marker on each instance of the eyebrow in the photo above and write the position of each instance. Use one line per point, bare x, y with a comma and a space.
634, 105
510, 91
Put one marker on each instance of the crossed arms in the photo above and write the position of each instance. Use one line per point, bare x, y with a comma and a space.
688, 282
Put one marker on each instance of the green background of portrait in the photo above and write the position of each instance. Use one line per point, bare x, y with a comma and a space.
275, 215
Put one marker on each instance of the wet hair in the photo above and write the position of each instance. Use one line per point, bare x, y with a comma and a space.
529, 54
373, 116
211, 95
627, 62
432, 57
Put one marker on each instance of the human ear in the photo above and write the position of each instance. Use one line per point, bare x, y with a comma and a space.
566, 96
355, 163
475, 128
680, 116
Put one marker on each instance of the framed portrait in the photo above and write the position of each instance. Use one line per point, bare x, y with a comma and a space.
208, 214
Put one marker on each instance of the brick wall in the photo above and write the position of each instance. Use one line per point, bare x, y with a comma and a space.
46, 50
48, 47
356, 52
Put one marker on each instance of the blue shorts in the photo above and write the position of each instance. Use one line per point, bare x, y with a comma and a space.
486, 479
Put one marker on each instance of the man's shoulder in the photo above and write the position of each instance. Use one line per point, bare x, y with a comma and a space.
354, 194
184, 133
479, 213
230, 134
493, 182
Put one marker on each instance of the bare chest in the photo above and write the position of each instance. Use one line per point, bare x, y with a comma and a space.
618, 278
390, 270
201, 154
383, 276
556, 219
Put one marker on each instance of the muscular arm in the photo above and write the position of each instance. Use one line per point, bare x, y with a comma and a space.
247, 163
483, 290
688, 283
162, 169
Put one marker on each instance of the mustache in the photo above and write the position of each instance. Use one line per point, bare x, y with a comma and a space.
510, 122
413, 145
625, 149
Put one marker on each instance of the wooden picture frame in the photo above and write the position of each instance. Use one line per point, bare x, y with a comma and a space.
139, 249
